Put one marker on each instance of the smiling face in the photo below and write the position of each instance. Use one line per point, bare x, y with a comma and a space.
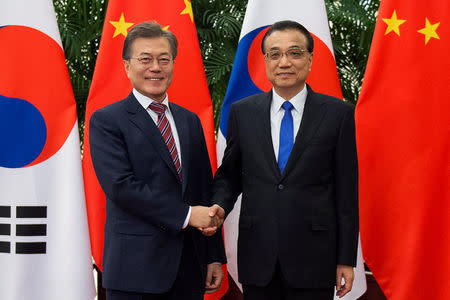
151, 79
287, 75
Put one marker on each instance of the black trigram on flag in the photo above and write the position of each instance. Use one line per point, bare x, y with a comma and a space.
23, 230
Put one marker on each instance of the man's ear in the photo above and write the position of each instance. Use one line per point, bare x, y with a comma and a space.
127, 66
310, 61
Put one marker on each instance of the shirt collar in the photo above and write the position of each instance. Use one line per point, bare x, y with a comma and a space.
146, 101
298, 101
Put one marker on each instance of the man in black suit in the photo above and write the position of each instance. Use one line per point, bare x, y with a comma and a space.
291, 152
151, 160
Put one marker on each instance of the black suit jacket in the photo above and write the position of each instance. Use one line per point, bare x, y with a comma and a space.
307, 217
146, 204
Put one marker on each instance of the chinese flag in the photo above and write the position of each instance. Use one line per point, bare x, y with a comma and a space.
403, 126
110, 83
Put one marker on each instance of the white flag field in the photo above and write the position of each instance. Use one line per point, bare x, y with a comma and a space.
44, 239
248, 77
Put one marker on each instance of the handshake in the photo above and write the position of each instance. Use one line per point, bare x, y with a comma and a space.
207, 219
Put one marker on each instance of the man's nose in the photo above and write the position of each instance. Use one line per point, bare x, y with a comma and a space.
284, 61
154, 66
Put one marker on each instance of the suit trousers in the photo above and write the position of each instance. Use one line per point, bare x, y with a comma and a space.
279, 289
189, 283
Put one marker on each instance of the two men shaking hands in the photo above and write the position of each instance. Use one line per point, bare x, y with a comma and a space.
207, 219
291, 153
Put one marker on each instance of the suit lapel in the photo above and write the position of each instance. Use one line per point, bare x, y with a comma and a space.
313, 114
138, 116
183, 136
266, 133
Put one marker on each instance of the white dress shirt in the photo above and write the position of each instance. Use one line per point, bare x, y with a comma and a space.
145, 102
277, 114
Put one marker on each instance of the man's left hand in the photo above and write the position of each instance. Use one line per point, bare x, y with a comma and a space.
214, 276
345, 272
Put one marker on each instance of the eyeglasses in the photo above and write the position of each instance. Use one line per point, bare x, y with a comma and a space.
146, 61
291, 54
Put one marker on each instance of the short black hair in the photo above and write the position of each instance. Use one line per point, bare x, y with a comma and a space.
149, 29
286, 25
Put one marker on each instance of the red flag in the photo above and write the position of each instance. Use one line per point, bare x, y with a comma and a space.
403, 140
110, 83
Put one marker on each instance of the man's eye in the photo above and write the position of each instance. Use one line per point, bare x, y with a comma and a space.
275, 55
164, 61
295, 53
145, 60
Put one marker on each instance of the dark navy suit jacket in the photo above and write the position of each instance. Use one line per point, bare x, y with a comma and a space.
305, 218
146, 204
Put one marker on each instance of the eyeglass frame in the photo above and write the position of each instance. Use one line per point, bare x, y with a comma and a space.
151, 60
285, 53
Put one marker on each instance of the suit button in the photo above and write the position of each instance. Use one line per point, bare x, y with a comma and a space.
280, 187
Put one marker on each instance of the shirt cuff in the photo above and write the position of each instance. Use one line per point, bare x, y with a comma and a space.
186, 221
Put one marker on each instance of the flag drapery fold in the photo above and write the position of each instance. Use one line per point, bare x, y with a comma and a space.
402, 118
44, 238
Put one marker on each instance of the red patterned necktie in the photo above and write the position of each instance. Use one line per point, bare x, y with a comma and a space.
166, 132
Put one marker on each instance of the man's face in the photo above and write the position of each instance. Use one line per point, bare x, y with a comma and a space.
288, 73
150, 68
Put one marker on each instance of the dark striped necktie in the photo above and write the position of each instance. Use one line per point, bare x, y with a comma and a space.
166, 132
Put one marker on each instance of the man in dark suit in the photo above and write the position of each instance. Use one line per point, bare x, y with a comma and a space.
151, 160
291, 152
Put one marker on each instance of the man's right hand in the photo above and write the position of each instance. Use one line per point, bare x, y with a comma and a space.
218, 213
201, 218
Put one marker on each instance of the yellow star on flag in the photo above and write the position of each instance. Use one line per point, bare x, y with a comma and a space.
429, 30
188, 10
393, 24
121, 26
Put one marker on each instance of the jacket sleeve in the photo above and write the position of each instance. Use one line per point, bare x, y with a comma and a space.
215, 245
228, 178
346, 191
